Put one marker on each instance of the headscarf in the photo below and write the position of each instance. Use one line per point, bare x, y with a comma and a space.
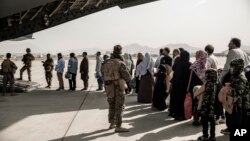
140, 57
200, 65
183, 61
146, 65
127, 61
237, 66
184, 56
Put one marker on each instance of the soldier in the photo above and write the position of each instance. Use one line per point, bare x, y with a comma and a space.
27, 60
116, 75
84, 70
48, 67
212, 88
8, 69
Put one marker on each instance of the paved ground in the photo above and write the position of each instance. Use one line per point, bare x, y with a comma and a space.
47, 115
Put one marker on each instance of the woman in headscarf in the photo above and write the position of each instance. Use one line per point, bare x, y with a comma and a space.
145, 73
132, 65
127, 61
179, 85
140, 57
160, 89
198, 69
128, 64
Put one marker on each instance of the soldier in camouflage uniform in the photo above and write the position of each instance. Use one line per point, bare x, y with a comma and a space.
27, 60
116, 75
239, 92
8, 69
212, 88
48, 67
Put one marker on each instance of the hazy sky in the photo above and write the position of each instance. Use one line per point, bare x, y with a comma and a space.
195, 22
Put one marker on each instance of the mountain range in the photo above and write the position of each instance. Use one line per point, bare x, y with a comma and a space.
19, 48
136, 48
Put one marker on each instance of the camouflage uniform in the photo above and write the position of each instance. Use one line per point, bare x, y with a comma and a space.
27, 59
48, 67
115, 70
239, 91
8, 68
212, 88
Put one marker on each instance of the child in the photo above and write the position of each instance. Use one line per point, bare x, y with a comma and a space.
238, 93
212, 88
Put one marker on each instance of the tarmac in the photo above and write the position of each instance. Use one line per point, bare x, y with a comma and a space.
48, 115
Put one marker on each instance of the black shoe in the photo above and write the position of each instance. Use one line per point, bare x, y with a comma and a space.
212, 139
59, 89
202, 138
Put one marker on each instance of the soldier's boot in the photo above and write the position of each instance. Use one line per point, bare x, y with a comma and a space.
21, 75
29, 78
112, 126
4, 91
12, 90
121, 130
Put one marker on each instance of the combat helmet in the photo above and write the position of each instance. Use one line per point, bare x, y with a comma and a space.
117, 50
28, 50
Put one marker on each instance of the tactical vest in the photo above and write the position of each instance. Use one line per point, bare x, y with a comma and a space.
111, 70
8, 67
27, 59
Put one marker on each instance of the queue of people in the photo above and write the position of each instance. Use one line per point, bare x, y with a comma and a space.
174, 77
206, 83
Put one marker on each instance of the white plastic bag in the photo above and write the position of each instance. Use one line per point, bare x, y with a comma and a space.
168, 100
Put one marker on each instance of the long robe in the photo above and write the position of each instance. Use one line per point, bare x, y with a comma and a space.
179, 85
146, 88
160, 89
137, 78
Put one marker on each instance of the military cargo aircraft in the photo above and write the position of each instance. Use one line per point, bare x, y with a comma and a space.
21, 18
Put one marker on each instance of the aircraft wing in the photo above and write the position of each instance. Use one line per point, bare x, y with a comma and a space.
23, 17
